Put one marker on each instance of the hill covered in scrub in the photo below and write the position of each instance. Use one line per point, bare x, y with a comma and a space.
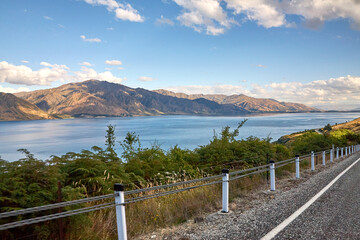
345, 130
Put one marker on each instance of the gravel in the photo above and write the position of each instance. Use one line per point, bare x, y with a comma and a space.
335, 215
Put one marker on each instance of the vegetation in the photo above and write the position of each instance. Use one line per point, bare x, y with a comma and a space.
31, 182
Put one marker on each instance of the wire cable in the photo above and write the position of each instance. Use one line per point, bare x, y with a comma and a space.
55, 216
171, 185
55, 205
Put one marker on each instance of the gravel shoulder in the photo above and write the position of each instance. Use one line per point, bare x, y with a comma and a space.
255, 214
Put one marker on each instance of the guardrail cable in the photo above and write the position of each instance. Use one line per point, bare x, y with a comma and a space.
248, 174
55, 205
171, 185
55, 216
137, 199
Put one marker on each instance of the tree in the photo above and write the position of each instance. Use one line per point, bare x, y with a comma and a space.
128, 145
327, 127
110, 143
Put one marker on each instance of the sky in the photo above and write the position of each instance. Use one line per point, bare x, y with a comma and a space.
304, 51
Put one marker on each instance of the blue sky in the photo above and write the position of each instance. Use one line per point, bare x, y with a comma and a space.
304, 51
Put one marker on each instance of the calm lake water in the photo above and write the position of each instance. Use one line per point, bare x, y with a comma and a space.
56, 137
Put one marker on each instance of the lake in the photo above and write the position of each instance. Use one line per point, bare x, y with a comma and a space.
56, 137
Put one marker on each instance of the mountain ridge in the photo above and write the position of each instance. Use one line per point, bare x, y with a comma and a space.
251, 104
93, 98
101, 98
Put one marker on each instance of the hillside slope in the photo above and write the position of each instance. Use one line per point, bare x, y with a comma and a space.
14, 108
101, 98
255, 105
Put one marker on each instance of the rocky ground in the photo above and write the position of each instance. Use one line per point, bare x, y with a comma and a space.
255, 214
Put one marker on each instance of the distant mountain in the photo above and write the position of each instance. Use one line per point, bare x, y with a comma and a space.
254, 105
100, 98
14, 108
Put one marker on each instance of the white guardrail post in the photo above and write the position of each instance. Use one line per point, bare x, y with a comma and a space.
342, 152
312, 161
346, 151
297, 166
225, 191
331, 155
337, 153
323, 158
120, 211
272, 175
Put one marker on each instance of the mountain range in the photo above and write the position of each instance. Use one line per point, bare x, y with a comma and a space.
95, 98
253, 105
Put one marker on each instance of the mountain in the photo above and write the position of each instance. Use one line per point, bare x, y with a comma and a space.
14, 108
254, 105
100, 98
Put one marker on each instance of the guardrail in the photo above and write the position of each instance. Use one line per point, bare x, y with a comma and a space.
120, 201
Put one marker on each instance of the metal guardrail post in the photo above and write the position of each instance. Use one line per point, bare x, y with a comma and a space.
225, 191
297, 166
331, 155
323, 158
120, 211
342, 152
272, 175
337, 153
346, 151
312, 161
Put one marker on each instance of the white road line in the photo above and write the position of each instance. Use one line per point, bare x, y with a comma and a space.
287, 221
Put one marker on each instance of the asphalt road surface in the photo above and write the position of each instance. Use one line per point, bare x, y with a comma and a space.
334, 215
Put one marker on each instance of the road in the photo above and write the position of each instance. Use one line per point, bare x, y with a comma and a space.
334, 215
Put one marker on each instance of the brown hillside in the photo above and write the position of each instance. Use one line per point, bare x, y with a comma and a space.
353, 125
14, 108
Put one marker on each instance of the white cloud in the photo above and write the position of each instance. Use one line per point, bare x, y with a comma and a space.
334, 90
265, 12
164, 21
24, 75
213, 89
331, 93
113, 62
110, 28
204, 15
46, 64
261, 66
146, 79
97, 40
212, 16
24, 61
48, 18
89, 73
13, 90
50, 73
61, 26
85, 64
315, 12
123, 11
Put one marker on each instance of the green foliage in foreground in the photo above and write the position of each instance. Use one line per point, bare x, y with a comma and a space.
30, 182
